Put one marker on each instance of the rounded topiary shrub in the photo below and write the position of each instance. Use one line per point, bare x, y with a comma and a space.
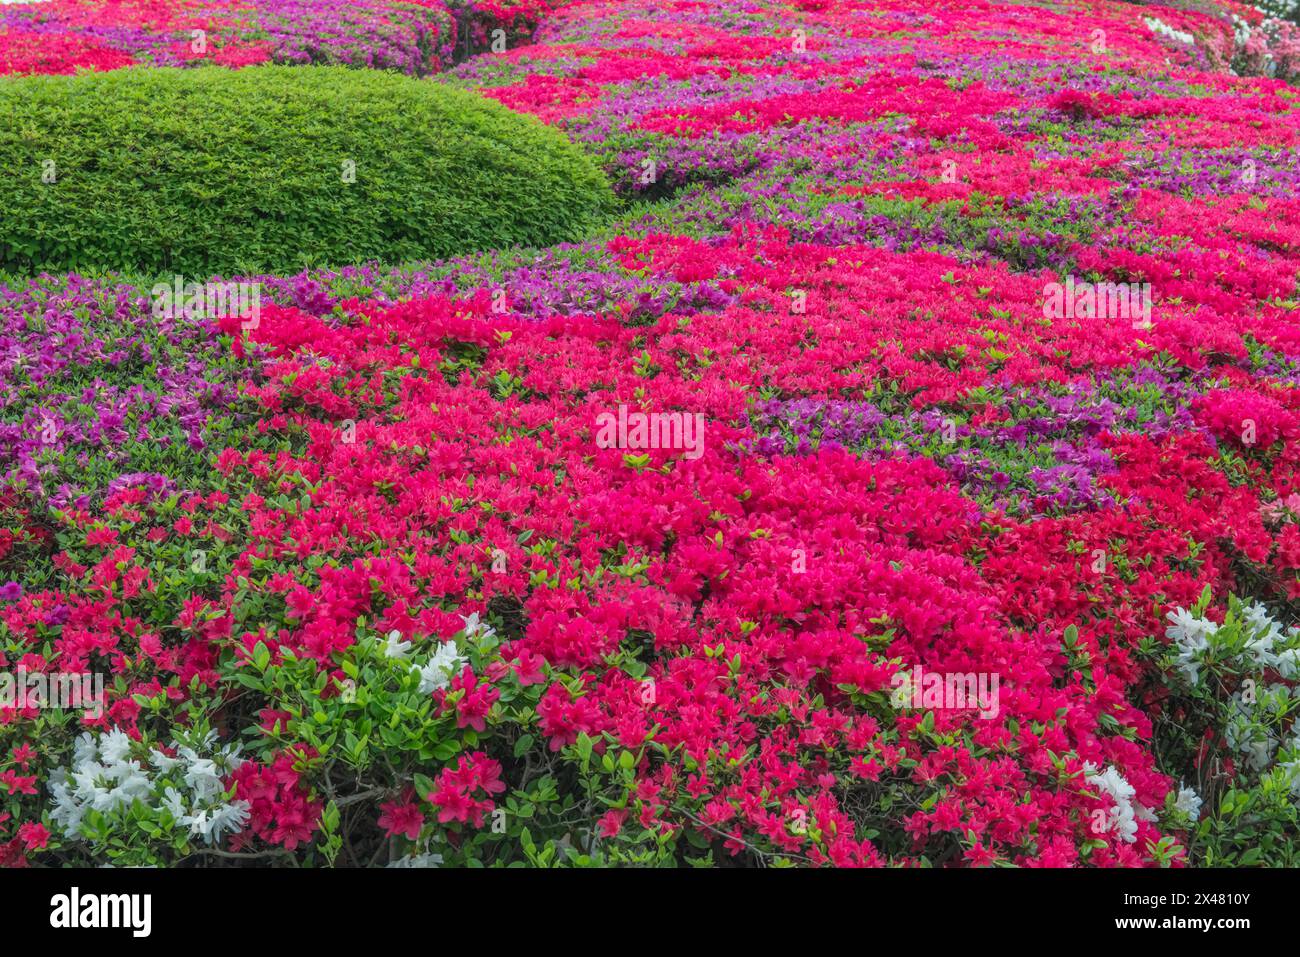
273, 169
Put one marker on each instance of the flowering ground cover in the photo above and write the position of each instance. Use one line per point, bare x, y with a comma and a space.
413, 36
944, 340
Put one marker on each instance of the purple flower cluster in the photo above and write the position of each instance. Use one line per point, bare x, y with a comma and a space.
561, 281
1047, 455
92, 383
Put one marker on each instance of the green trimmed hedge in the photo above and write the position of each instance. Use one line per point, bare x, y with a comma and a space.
209, 170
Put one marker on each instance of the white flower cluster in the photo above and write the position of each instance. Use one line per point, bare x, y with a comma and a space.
104, 777
444, 665
1158, 26
1258, 716
1189, 802
1278, 24
1266, 648
1240, 30
445, 662
1266, 645
1191, 636
1126, 812
1270, 29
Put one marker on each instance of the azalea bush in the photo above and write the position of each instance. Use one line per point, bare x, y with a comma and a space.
1226, 720
905, 359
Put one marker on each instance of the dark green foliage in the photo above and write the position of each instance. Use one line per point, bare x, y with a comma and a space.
210, 170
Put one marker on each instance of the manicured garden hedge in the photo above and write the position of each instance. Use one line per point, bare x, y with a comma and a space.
272, 168
967, 557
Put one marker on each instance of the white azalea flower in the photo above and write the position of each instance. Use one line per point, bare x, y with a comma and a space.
173, 803
228, 818
1192, 636
474, 628
1189, 802
394, 647
198, 824
86, 748
445, 663
114, 746
1123, 815
161, 761
203, 779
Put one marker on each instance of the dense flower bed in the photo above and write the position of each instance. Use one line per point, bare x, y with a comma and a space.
445, 620
414, 36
